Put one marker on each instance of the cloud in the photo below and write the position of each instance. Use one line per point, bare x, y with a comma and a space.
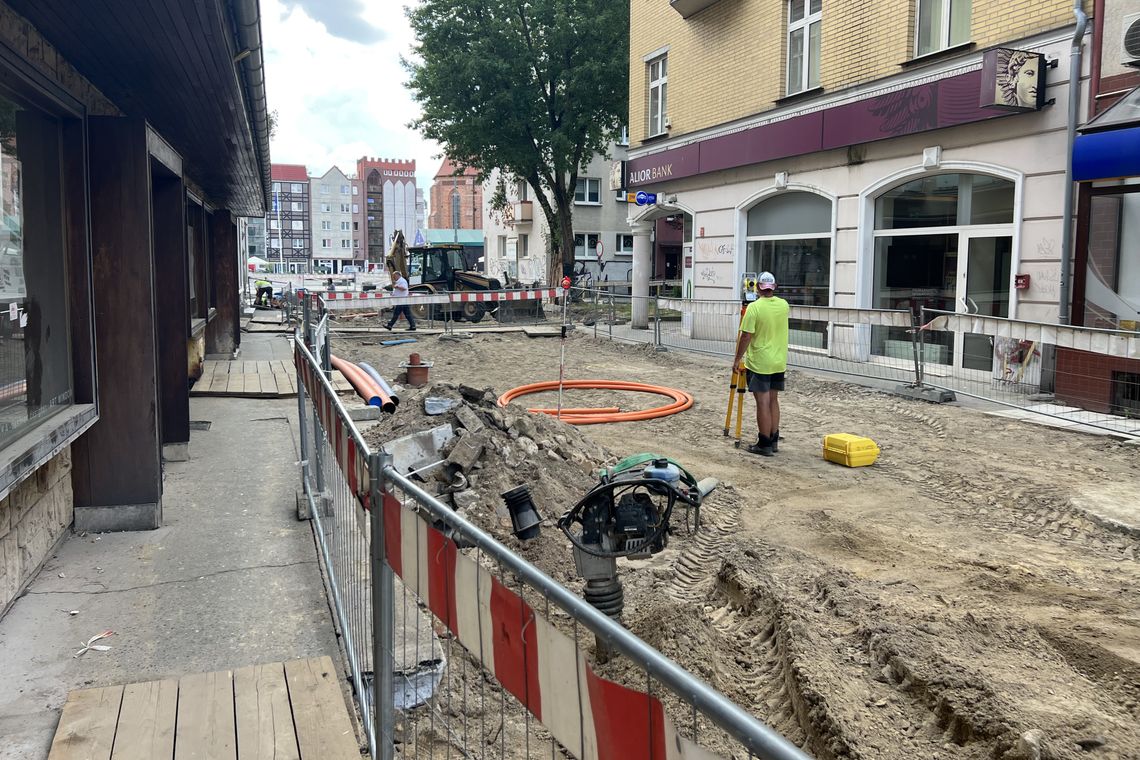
337, 102
342, 18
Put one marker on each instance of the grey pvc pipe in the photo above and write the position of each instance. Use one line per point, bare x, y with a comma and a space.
372, 373
1063, 315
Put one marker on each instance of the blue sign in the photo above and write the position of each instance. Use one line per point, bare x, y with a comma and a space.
646, 199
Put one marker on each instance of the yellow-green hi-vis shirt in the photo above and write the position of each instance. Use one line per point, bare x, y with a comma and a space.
767, 320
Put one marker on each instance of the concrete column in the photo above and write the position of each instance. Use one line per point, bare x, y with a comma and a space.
642, 270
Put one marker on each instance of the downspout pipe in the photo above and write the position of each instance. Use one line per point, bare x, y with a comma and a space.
1063, 316
247, 17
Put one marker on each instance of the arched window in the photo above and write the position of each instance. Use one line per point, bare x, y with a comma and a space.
789, 235
944, 242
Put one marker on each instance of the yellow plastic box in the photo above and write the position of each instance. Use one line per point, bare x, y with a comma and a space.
850, 450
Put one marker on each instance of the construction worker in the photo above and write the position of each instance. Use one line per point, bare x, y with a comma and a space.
264, 293
400, 290
762, 354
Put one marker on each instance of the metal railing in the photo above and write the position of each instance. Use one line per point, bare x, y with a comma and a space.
502, 667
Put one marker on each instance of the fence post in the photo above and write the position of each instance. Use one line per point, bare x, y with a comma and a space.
916, 331
656, 322
301, 419
921, 337
383, 595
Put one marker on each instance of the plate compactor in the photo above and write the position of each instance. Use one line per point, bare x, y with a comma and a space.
627, 515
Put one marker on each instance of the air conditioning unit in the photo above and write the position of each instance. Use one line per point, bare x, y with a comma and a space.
1130, 41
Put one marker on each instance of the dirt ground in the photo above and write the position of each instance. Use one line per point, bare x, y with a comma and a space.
949, 601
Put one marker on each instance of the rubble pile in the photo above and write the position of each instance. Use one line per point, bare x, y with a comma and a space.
496, 449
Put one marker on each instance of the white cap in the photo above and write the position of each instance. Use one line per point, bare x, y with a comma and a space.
766, 281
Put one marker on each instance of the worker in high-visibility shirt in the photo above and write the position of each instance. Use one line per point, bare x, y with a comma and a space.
264, 293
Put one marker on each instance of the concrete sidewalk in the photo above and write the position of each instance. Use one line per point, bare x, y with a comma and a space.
231, 578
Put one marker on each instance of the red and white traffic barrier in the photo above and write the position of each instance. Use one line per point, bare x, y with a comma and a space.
593, 718
343, 299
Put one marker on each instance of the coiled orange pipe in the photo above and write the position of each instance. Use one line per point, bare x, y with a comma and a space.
681, 401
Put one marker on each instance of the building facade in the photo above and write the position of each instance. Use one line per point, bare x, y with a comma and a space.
516, 234
388, 203
120, 194
456, 198
897, 154
331, 202
290, 243
255, 237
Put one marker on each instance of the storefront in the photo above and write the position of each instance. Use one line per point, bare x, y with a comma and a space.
912, 192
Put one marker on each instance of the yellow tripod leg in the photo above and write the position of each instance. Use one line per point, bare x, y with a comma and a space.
741, 387
731, 401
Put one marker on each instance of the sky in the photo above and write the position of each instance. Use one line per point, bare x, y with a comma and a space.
333, 75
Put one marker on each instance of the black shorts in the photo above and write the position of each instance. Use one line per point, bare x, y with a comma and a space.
758, 383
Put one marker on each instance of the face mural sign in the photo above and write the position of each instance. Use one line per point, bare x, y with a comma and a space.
1013, 79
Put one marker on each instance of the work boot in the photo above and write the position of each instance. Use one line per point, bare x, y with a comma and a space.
763, 446
775, 440
388, 327
411, 329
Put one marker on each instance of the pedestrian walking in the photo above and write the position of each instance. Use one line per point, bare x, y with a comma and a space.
762, 354
400, 290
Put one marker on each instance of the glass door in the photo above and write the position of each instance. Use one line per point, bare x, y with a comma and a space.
983, 288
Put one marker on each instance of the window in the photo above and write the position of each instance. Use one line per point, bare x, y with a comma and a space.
326, 243
356, 242
623, 138
355, 226
298, 243
35, 371
276, 187
804, 23
356, 208
345, 208
789, 235
355, 190
326, 208
941, 24
274, 224
345, 244
586, 244
324, 189
298, 187
296, 206
523, 249
326, 225
345, 226
624, 245
1113, 261
588, 190
344, 189
658, 95
297, 224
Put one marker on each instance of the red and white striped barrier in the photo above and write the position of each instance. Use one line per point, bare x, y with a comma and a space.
382, 300
348, 455
593, 718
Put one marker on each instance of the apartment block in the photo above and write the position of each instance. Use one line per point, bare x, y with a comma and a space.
289, 221
389, 202
334, 204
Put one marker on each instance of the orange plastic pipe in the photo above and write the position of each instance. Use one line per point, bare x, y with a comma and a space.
364, 385
681, 400
588, 410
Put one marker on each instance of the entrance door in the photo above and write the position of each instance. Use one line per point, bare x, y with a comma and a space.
983, 288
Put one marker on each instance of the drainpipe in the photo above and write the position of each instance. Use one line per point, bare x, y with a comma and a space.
1074, 116
248, 20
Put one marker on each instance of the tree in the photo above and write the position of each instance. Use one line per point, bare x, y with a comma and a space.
531, 87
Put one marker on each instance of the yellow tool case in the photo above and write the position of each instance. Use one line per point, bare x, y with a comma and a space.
850, 450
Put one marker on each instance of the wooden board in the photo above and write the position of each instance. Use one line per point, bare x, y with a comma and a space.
87, 726
253, 379
263, 716
206, 717
146, 721
319, 714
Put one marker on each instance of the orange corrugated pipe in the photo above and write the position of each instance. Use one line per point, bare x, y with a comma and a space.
681, 401
364, 385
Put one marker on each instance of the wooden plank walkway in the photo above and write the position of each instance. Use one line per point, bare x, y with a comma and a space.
254, 379
287, 711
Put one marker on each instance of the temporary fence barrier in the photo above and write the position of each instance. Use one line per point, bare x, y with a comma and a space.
501, 667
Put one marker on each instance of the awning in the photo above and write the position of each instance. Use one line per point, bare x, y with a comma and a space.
1114, 154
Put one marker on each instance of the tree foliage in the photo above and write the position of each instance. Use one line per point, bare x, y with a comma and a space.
531, 87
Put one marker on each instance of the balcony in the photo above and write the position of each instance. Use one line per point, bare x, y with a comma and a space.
689, 8
523, 212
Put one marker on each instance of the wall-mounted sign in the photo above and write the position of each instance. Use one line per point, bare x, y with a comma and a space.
617, 175
645, 199
1013, 79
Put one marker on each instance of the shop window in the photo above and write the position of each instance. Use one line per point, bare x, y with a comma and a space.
941, 24
1112, 289
946, 200
35, 354
658, 75
805, 19
1126, 394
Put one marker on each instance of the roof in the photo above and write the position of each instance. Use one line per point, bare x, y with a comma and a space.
290, 172
467, 237
449, 169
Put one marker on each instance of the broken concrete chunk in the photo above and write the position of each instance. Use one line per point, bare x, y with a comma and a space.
528, 445
470, 393
467, 451
469, 419
434, 405
525, 426
465, 499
